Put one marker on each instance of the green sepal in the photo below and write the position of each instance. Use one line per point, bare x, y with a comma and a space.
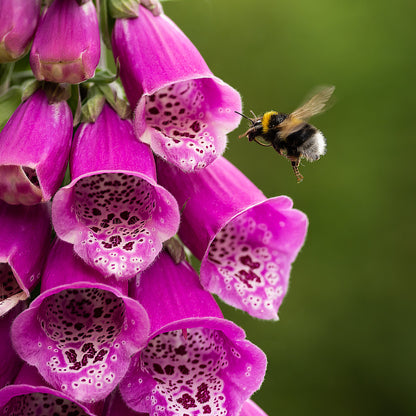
104, 76
29, 88
123, 9
120, 105
175, 249
9, 101
92, 108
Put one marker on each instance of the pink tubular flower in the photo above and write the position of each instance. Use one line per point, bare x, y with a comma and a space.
113, 211
246, 242
66, 47
24, 243
183, 111
34, 150
30, 395
18, 22
79, 332
195, 362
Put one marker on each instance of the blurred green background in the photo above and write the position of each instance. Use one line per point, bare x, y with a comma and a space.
345, 342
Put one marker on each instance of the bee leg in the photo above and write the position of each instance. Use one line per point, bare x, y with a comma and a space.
295, 166
263, 144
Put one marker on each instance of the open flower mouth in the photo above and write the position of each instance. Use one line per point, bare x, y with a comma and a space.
19, 185
82, 316
118, 209
249, 260
183, 115
83, 324
191, 373
10, 291
41, 403
8, 283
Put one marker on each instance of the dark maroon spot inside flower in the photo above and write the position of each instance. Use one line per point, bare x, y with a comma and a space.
248, 276
153, 110
133, 220
183, 369
98, 312
125, 215
247, 261
96, 211
206, 409
128, 246
71, 355
158, 368
100, 356
203, 394
195, 126
181, 350
169, 369
115, 240
187, 401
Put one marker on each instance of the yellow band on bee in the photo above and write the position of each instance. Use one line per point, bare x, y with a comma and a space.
266, 120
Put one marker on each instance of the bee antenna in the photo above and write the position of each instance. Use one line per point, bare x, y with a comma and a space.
248, 118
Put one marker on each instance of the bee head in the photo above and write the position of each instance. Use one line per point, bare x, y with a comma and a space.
255, 129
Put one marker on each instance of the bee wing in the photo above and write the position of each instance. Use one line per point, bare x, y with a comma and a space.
314, 105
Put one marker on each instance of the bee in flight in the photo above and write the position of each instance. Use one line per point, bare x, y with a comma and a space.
290, 134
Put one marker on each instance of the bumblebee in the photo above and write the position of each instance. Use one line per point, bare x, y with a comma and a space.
290, 134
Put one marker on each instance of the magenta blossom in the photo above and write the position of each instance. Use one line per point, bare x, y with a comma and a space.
113, 211
30, 395
34, 150
24, 242
18, 22
195, 362
66, 47
246, 242
183, 111
79, 332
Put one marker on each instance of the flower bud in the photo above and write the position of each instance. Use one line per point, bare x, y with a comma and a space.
18, 22
66, 47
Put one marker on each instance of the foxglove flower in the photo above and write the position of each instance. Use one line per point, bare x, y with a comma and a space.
34, 150
246, 242
183, 111
30, 395
66, 47
18, 22
79, 332
24, 243
113, 211
10, 363
195, 362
